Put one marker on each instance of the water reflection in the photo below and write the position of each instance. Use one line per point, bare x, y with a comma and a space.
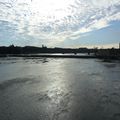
60, 89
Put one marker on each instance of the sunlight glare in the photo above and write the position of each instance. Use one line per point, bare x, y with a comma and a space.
51, 9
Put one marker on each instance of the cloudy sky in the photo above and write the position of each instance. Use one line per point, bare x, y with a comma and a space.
61, 23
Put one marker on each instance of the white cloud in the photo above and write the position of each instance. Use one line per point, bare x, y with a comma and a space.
112, 45
66, 19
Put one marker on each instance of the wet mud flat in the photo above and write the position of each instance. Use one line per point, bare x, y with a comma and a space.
59, 89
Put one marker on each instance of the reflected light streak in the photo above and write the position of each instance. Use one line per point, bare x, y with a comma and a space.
58, 88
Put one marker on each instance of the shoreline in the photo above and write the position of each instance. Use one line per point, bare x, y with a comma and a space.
48, 56
61, 56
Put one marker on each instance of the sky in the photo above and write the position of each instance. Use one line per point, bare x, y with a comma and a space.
60, 23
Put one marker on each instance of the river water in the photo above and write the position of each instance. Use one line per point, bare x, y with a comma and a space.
59, 89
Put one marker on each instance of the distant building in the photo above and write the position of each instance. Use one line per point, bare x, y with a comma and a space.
43, 46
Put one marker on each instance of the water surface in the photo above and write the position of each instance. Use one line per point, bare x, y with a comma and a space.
59, 89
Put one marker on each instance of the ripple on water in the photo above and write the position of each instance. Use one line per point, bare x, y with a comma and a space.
116, 116
57, 100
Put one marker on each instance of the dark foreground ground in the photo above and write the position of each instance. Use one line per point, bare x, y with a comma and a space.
59, 89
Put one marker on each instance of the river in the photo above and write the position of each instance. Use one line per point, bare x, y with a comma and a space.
59, 89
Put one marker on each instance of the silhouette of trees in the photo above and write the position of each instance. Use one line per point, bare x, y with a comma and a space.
103, 53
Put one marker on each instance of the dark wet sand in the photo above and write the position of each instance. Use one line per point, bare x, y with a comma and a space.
59, 90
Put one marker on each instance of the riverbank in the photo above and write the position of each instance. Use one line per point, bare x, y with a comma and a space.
99, 56
49, 55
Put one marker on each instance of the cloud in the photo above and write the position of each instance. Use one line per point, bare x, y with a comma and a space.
53, 22
113, 45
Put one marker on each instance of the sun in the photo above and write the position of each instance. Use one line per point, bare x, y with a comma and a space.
51, 9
